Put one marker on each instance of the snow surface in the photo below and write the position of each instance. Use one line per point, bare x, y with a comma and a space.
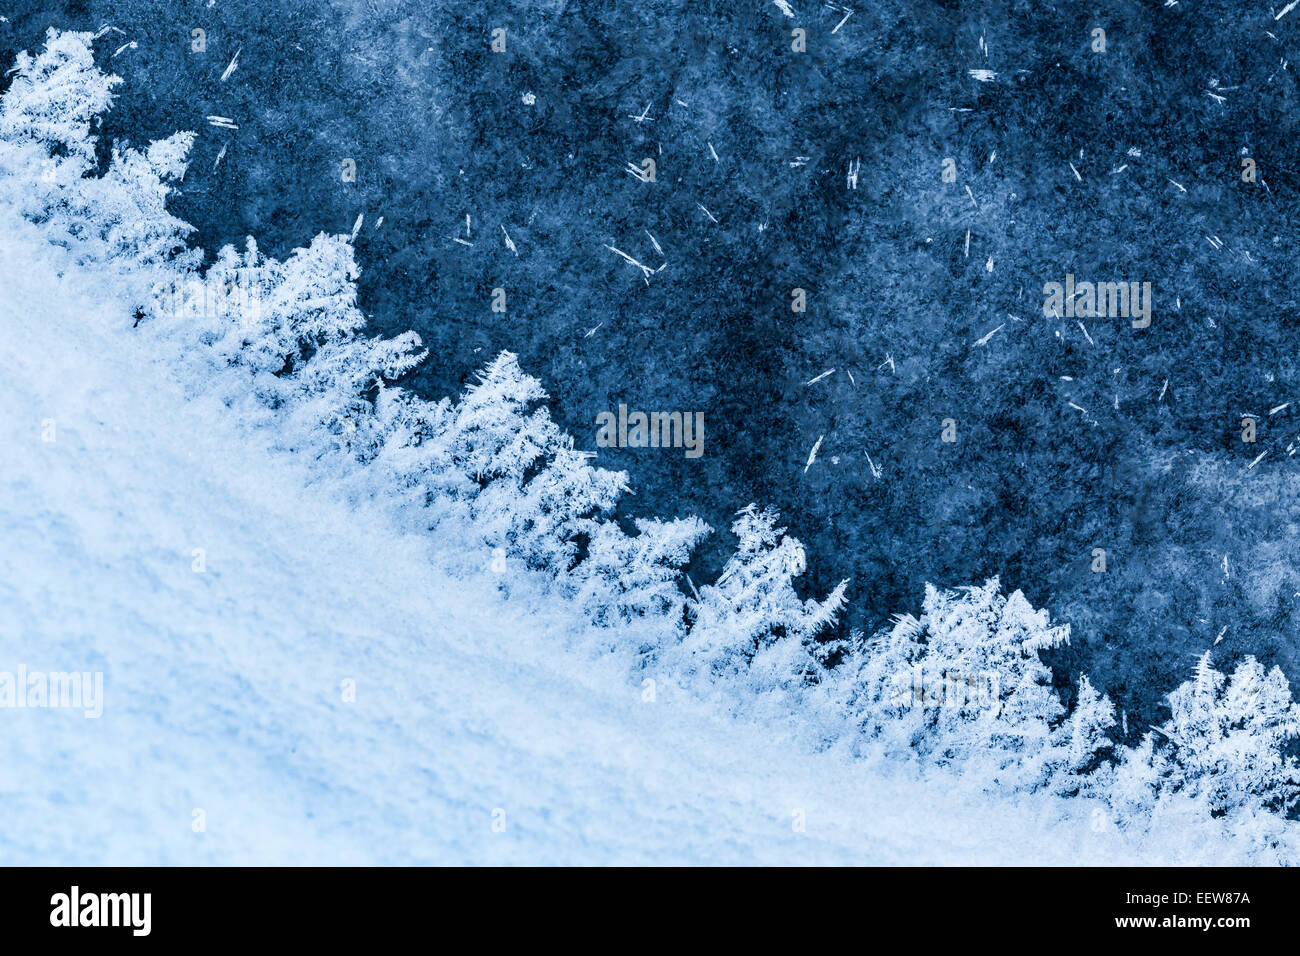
223, 688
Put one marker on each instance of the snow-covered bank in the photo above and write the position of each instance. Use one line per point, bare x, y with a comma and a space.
224, 689
296, 596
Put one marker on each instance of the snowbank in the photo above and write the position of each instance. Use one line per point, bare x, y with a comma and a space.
296, 670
